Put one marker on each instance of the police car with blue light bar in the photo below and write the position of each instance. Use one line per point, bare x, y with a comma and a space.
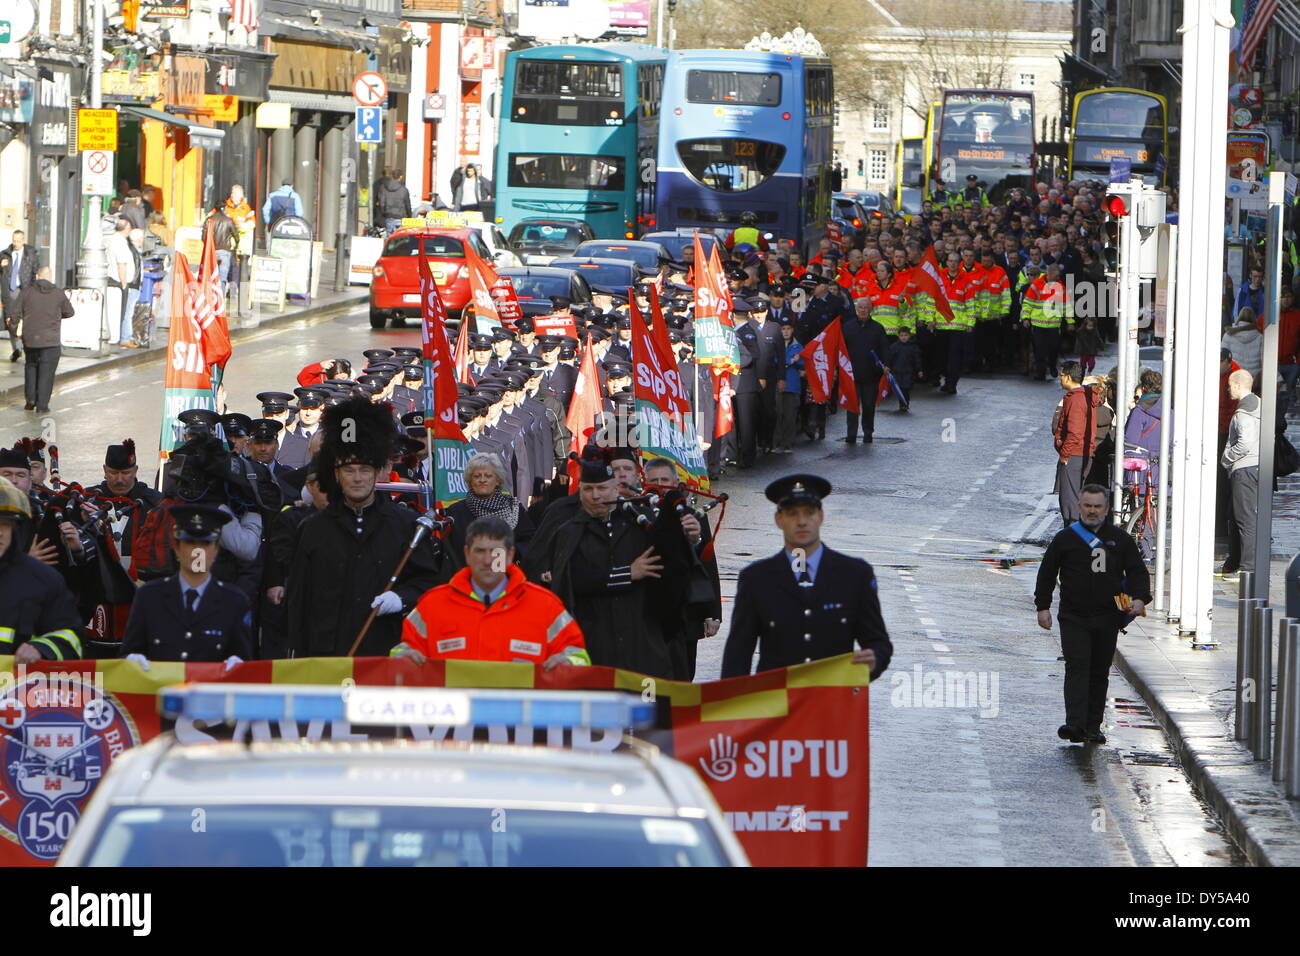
408, 777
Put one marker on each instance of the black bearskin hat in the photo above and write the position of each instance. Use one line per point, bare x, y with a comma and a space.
357, 431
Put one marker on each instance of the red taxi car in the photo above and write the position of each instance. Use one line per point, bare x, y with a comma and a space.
395, 286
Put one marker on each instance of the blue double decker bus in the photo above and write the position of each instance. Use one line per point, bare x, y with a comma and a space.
747, 131
579, 127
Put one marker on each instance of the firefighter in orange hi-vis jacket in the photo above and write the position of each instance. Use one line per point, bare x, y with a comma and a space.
489, 611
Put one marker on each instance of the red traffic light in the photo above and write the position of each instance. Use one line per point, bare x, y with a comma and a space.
1116, 207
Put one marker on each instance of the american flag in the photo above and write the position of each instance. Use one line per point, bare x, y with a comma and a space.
1255, 18
244, 13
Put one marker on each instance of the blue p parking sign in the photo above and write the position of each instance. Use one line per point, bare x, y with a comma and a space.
370, 124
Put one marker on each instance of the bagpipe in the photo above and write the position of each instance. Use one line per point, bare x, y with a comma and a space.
685, 584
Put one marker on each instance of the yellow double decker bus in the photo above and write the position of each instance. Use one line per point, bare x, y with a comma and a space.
1119, 123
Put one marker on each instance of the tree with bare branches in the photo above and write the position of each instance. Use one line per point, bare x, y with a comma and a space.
730, 24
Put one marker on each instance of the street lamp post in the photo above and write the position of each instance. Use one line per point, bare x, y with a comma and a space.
92, 269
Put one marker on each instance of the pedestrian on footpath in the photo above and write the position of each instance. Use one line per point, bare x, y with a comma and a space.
281, 202
40, 310
18, 263
1076, 434
1244, 340
392, 201
1104, 584
1241, 460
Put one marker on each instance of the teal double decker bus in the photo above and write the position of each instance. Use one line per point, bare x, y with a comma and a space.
579, 134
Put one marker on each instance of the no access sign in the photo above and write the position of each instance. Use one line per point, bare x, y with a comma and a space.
97, 173
97, 129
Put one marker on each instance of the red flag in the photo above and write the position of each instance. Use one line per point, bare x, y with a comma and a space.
460, 361
506, 301
481, 279
882, 389
819, 360
925, 277
848, 386
821, 357
722, 395
440, 393
584, 410
679, 407
209, 305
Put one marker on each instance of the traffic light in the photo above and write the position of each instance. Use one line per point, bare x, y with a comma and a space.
1116, 210
862, 166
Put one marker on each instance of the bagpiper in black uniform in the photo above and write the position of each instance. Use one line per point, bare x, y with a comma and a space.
806, 602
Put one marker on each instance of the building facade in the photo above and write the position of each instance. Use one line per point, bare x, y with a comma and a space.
914, 62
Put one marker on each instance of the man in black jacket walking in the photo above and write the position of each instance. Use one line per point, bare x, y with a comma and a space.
41, 308
1099, 566
865, 340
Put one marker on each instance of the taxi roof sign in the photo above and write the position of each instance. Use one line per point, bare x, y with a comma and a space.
407, 706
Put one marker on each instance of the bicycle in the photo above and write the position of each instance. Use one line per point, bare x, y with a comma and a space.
1138, 500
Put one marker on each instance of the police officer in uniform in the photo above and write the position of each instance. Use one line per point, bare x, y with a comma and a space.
190, 616
805, 602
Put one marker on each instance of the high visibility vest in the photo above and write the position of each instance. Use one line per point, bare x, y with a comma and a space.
975, 276
997, 294
889, 304
746, 234
859, 281
1046, 304
960, 295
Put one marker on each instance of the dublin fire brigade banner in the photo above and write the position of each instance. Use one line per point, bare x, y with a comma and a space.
784, 752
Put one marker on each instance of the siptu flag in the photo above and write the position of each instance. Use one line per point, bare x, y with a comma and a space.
506, 302
665, 425
187, 376
715, 333
481, 279
585, 409
460, 361
209, 306
722, 393
448, 448
822, 356
928, 285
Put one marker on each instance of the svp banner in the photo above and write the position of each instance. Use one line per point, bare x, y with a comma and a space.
784, 752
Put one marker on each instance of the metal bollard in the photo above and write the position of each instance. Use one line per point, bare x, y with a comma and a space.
1293, 716
1247, 682
1281, 736
1263, 674
1241, 722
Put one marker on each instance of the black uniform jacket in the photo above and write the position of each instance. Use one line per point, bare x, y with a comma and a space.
792, 624
341, 562
162, 629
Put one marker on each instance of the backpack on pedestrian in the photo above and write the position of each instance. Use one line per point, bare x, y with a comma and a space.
151, 545
281, 206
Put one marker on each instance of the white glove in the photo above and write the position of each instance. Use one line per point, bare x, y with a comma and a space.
139, 659
232, 660
388, 603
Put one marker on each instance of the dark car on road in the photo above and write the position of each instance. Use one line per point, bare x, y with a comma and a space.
614, 276
538, 241
648, 255
536, 286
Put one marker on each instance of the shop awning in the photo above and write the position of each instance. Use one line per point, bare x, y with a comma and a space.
326, 102
204, 137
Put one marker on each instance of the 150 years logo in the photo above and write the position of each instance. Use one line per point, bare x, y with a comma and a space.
58, 734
